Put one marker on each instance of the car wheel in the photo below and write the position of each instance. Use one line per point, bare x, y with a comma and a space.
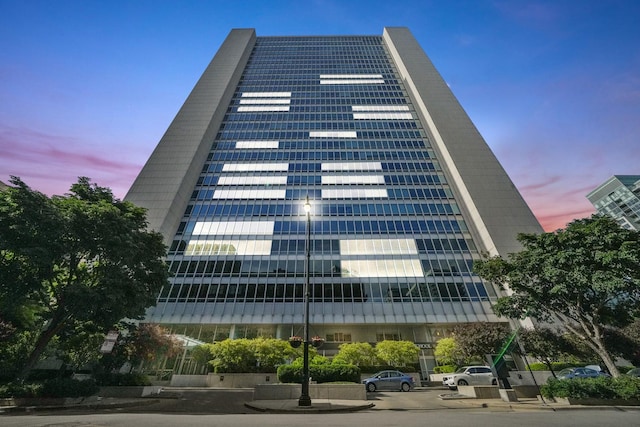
494, 382
463, 382
405, 387
371, 387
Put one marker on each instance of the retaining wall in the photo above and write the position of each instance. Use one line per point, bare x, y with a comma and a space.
316, 391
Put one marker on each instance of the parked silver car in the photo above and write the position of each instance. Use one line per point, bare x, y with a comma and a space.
389, 380
569, 373
470, 375
635, 372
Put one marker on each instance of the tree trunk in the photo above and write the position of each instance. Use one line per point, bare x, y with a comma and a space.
57, 322
607, 359
550, 366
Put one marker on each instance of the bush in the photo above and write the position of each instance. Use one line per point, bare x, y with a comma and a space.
320, 373
557, 366
68, 387
116, 379
20, 390
372, 369
444, 369
599, 388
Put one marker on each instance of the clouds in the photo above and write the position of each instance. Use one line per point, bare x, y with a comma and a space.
553, 86
51, 163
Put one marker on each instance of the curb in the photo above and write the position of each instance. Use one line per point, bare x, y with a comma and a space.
305, 410
96, 405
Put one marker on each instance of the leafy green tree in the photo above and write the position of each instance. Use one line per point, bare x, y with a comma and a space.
397, 353
271, 352
447, 352
67, 261
80, 349
586, 276
233, 355
545, 345
203, 354
475, 340
248, 355
632, 332
357, 353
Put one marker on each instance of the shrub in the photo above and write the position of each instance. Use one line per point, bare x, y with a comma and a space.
599, 388
117, 379
557, 366
372, 369
320, 373
68, 387
20, 390
444, 369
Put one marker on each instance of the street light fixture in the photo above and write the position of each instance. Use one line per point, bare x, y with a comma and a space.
305, 399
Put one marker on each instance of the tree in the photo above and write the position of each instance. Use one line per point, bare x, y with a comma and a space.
357, 353
397, 353
475, 340
271, 352
544, 344
149, 342
632, 332
586, 276
447, 352
247, 355
82, 258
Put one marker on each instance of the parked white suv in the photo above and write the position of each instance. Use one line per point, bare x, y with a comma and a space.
470, 375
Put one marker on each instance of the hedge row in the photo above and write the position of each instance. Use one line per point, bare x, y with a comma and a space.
600, 388
320, 373
55, 387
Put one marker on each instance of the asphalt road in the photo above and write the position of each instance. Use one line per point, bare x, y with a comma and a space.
220, 408
387, 418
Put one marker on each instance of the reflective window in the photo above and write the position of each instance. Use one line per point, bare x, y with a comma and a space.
262, 108
382, 268
352, 166
233, 227
256, 144
378, 247
250, 194
252, 180
380, 108
353, 179
228, 247
354, 193
382, 116
248, 167
333, 134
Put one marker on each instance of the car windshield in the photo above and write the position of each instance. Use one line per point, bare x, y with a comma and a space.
461, 370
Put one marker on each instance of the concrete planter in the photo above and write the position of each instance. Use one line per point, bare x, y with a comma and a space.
316, 391
597, 402
480, 391
129, 391
51, 401
7, 401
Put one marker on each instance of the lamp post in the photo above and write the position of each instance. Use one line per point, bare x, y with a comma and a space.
305, 399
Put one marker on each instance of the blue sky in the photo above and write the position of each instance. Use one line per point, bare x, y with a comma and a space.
87, 88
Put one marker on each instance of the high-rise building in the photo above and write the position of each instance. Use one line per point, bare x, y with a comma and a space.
619, 198
405, 195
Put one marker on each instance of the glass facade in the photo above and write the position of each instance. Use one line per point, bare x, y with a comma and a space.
325, 112
619, 198
330, 119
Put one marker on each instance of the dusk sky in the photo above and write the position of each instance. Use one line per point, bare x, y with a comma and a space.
87, 88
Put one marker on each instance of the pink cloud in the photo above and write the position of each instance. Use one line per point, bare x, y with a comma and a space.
51, 163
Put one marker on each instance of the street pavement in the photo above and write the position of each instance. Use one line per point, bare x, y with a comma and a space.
240, 401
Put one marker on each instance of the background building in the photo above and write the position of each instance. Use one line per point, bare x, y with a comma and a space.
405, 194
619, 198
